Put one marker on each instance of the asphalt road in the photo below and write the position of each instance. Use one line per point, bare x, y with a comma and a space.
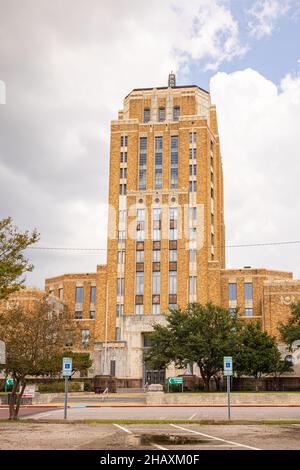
55, 436
4, 414
80, 411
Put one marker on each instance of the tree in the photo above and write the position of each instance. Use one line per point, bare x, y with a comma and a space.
290, 331
13, 263
203, 334
257, 353
33, 335
52, 366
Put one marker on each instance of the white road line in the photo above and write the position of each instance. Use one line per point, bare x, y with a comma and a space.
213, 437
193, 416
123, 429
159, 447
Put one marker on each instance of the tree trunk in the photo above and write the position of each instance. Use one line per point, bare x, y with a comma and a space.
13, 397
19, 399
256, 383
207, 383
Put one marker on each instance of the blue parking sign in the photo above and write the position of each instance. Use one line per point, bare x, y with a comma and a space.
67, 367
228, 365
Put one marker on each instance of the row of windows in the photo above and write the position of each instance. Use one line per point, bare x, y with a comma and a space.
85, 338
79, 295
248, 291
161, 115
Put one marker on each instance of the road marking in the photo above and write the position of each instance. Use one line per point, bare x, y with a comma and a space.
193, 416
213, 437
123, 429
159, 447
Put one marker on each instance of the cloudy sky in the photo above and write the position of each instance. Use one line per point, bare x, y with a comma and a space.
67, 65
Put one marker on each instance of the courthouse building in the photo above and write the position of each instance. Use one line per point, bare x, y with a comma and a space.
166, 236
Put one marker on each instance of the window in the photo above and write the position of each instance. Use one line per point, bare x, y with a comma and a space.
60, 293
232, 291
174, 161
147, 343
212, 239
85, 337
248, 290
172, 305
193, 233
143, 163
120, 286
122, 216
140, 235
193, 137
92, 314
124, 140
192, 214
156, 235
161, 114
93, 294
140, 256
173, 213
193, 285
156, 256
156, 214
172, 282
139, 309
121, 236
155, 309
146, 114
248, 312
125, 157
158, 162
192, 153
121, 257
193, 256
155, 283
173, 234
176, 113
139, 289
119, 310
172, 255
140, 215
118, 333
122, 190
79, 295
121, 173
192, 186
78, 314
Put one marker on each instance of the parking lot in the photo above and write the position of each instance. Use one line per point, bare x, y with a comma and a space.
22, 435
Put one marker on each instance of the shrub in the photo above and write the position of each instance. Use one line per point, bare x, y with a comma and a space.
56, 387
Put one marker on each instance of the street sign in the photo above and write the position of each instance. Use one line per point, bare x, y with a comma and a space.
29, 391
2, 353
9, 381
67, 367
227, 365
175, 380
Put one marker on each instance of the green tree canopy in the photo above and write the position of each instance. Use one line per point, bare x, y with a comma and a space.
290, 331
203, 334
257, 353
13, 263
33, 336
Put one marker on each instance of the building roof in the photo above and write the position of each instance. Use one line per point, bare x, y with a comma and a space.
165, 88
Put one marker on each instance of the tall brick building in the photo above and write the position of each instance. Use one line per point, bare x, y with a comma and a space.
166, 235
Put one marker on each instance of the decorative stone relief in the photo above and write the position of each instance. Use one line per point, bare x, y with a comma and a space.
287, 299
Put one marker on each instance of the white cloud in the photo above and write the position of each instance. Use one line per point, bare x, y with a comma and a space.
260, 141
264, 15
67, 66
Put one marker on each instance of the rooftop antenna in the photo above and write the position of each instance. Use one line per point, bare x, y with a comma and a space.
172, 79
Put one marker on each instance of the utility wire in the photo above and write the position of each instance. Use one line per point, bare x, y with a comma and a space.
246, 245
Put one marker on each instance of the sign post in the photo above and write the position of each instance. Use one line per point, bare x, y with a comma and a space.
228, 374
66, 372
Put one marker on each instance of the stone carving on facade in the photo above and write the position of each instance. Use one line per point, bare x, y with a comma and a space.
287, 299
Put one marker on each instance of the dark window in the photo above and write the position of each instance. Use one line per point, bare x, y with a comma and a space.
113, 368
176, 113
146, 114
161, 114
79, 295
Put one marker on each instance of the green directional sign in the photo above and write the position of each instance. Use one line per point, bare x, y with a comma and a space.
9, 381
175, 380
